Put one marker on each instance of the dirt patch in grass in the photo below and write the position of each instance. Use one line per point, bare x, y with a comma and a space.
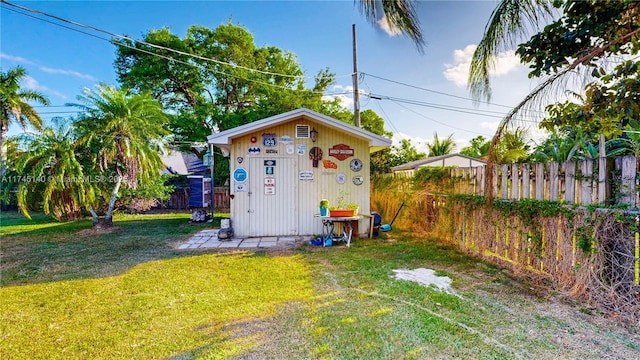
99, 230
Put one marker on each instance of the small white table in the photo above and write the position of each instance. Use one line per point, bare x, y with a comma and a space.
328, 228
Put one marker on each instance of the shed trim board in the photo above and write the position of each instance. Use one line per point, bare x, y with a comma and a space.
275, 182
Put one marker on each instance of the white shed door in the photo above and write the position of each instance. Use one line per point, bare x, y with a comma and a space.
273, 196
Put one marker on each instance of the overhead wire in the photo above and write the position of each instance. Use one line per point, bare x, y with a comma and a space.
486, 113
435, 91
439, 122
112, 34
3, 2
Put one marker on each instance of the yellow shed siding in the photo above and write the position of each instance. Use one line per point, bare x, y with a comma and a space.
290, 208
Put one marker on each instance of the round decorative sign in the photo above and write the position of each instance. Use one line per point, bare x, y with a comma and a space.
358, 179
240, 175
356, 165
341, 178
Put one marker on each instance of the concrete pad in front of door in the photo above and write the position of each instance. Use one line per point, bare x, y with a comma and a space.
208, 239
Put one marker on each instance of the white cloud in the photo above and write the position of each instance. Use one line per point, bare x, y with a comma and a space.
387, 27
67, 72
33, 84
490, 125
458, 72
17, 59
46, 69
343, 93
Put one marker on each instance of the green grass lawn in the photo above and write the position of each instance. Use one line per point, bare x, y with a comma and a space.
129, 294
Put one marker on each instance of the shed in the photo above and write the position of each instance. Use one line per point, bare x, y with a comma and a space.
282, 166
455, 160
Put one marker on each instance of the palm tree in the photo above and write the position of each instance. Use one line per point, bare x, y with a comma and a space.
123, 134
510, 21
400, 14
13, 101
51, 173
478, 148
513, 147
441, 146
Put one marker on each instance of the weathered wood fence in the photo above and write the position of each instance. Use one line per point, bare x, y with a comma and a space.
607, 271
584, 182
180, 198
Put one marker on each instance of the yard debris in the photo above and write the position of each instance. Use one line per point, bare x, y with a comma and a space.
426, 277
199, 216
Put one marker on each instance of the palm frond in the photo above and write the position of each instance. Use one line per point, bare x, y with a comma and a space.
509, 23
400, 14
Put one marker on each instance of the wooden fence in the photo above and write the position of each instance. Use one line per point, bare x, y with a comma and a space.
584, 182
180, 198
608, 272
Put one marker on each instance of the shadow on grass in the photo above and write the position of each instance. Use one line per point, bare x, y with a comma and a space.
42, 250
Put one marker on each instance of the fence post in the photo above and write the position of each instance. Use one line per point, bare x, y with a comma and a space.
569, 181
515, 181
539, 181
628, 181
553, 181
603, 179
586, 183
504, 181
526, 181
480, 179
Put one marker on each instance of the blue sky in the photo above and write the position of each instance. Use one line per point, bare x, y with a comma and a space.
61, 62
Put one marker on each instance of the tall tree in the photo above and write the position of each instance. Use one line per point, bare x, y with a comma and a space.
216, 79
406, 152
52, 174
123, 134
478, 147
439, 146
14, 103
513, 147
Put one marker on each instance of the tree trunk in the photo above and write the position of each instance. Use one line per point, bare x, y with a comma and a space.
108, 218
94, 215
112, 203
3, 155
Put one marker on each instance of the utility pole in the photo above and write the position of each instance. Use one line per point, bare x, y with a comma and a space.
356, 94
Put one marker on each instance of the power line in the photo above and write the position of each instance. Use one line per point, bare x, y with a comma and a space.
487, 113
439, 122
112, 34
433, 91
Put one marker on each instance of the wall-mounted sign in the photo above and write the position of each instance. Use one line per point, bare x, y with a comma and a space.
328, 164
253, 139
340, 151
254, 150
358, 179
315, 154
239, 159
290, 149
302, 148
270, 162
305, 175
271, 151
341, 178
240, 188
356, 165
269, 186
268, 170
269, 139
285, 139
240, 175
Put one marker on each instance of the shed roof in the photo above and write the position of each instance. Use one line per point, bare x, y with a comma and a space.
430, 160
223, 139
